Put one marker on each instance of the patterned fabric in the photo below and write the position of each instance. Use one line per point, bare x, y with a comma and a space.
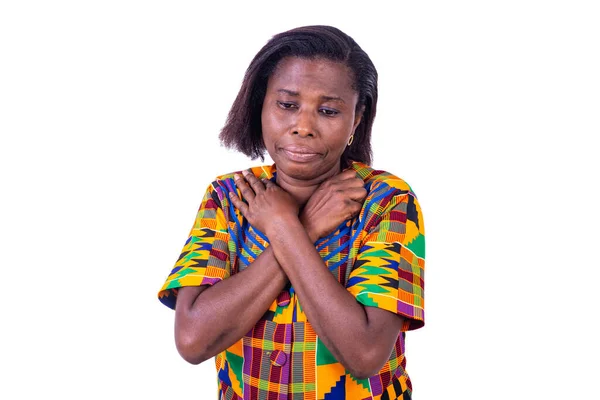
378, 256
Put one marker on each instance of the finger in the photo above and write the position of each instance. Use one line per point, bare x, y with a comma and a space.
347, 178
353, 208
238, 203
268, 183
347, 174
357, 194
346, 184
354, 183
241, 184
338, 181
256, 184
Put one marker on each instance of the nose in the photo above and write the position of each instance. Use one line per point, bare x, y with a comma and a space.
304, 125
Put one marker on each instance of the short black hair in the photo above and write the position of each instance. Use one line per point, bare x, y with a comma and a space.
243, 128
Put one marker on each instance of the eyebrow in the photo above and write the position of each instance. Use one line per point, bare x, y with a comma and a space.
290, 92
324, 98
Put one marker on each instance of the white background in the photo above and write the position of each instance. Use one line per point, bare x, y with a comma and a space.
109, 116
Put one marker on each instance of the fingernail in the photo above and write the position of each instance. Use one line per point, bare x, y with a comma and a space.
236, 177
245, 172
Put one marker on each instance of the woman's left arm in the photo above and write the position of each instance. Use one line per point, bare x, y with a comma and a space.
361, 338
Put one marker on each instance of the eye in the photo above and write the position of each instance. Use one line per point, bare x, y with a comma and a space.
328, 112
285, 105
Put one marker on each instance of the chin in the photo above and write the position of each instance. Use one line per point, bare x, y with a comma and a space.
303, 171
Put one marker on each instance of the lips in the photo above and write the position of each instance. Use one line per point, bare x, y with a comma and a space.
300, 153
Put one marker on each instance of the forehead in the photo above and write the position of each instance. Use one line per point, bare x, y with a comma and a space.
318, 75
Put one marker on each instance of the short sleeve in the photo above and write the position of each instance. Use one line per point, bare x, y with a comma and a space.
389, 269
204, 259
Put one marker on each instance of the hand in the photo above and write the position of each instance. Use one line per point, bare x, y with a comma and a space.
269, 206
338, 199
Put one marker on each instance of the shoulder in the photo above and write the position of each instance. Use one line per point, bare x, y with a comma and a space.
219, 188
260, 171
378, 182
225, 180
390, 199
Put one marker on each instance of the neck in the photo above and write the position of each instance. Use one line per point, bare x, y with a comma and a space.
301, 189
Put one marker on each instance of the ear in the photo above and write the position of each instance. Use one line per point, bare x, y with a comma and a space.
358, 118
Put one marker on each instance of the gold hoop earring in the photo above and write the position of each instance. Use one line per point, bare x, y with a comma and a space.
351, 140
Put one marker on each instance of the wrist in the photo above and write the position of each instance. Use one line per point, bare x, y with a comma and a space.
312, 235
282, 225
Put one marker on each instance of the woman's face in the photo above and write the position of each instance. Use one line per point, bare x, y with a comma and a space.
308, 116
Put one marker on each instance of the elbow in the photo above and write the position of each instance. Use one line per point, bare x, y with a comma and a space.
192, 358
190, 350
366, 365
192, 332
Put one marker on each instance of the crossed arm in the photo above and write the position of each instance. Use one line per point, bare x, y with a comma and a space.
210, 319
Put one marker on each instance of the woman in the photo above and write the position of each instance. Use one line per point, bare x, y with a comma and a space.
303, 277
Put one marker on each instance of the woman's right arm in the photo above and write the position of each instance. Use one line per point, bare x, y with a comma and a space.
209, 319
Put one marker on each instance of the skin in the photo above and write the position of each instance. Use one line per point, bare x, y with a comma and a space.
308, 117
309, 105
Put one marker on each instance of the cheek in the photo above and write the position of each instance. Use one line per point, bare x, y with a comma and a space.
269, 130
268, 123
340, 146
272, 123
266, 116
343, 130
